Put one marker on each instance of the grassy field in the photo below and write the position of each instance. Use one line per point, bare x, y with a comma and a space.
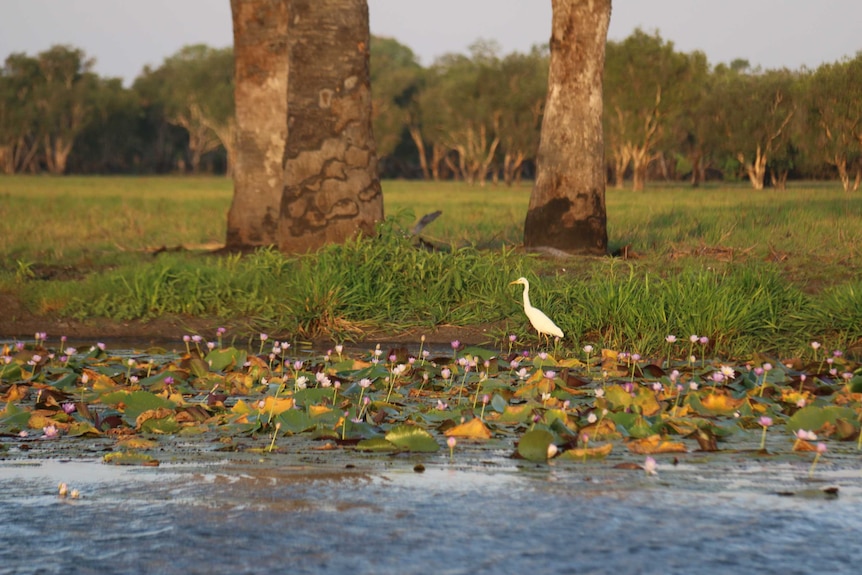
746, 268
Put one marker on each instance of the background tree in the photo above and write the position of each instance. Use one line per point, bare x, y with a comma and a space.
261, 71
644, 76
834, 118
522, 93
194, 89
332, 188
567, 205
757, 112
19, 141
396, 77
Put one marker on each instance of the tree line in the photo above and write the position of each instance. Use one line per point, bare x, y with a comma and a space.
668, 115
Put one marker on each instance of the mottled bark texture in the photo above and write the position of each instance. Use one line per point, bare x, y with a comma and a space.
261, 66
567, 206
331, 186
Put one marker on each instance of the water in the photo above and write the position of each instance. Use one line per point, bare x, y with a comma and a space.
248, 515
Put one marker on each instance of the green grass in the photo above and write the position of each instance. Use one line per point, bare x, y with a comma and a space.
750, 270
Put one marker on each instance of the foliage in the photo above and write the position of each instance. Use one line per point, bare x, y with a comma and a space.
543, 407
668, 114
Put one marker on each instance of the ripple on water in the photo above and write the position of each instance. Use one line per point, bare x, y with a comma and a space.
452, 520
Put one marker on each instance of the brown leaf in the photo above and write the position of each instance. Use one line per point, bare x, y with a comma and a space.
160, 413
654, 444
473, 429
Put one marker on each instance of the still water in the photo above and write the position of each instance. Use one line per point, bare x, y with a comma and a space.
255, 516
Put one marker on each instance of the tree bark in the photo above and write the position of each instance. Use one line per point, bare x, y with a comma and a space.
332, 189
567, 205
260, 69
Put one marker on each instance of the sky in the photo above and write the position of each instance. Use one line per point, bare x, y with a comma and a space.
125, 35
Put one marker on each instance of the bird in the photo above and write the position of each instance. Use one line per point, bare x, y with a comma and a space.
542, 323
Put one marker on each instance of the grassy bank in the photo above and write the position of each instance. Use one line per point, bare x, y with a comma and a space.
764, 271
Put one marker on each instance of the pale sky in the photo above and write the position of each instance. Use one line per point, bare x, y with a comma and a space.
125, 35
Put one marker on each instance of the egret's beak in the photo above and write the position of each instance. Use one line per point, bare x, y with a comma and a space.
513, 282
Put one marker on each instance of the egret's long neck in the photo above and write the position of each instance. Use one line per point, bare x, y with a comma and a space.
527, 296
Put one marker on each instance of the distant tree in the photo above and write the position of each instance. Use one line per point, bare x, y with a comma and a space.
834, 114
194, 87
461, 110
332, 188
567, 205
689, 126
261, 70
644, 76
755, 120
19, 141
111, 139
522, 94
64, 101
396, 78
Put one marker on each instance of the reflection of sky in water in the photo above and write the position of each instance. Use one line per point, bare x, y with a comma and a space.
229, 518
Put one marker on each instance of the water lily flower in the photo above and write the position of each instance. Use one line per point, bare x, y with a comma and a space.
441, 405
550, 374
815, 345
650, 466
522, 373
670, 339
591, 418
552, 450
727, 371
50, 431
588, 349
455, 344
765, 421
513, 337
703, 340
446, 373
68, 407
301, 382
806, 435
600, 393
693, 338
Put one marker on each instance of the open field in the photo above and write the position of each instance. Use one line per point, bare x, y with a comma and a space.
716, 250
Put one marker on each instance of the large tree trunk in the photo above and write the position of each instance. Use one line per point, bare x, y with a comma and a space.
332, 189
567, 206
260, 69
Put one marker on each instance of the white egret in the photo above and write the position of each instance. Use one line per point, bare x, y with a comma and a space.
543, 324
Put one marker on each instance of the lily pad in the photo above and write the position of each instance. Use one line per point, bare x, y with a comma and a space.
412, 438
534, 445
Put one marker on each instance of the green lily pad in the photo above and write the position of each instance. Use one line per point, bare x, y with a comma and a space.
534, 445
129, 458
136, 402
294, 421
225, 359
376, 444
412, 438
812, 418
